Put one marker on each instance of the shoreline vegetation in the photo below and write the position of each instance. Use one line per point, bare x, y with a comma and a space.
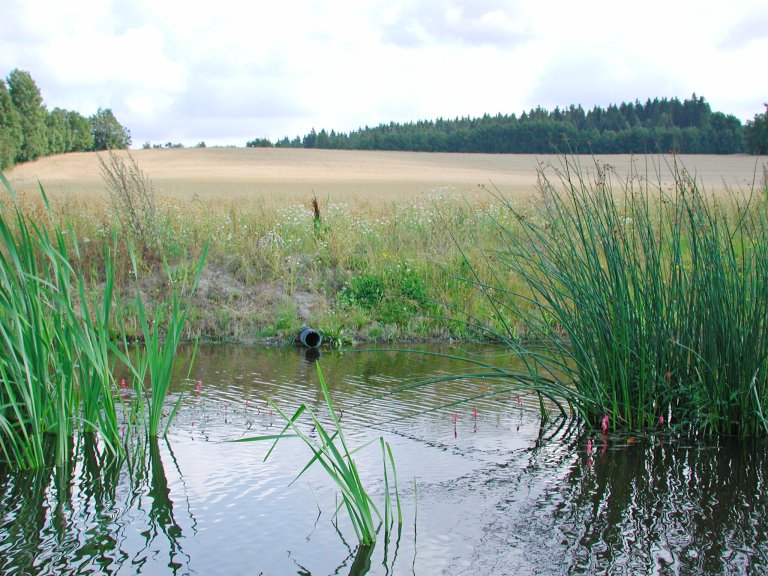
383, 255
634, 300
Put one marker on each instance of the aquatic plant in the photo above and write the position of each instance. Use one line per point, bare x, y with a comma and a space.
331, 451
645, 304
54, 360
151, 363
59, 341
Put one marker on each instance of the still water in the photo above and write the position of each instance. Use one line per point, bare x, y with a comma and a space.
485, 487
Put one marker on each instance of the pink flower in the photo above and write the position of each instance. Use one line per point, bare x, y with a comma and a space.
604, 424
589, 445
661, 420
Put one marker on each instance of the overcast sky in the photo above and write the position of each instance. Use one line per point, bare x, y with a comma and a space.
227, 71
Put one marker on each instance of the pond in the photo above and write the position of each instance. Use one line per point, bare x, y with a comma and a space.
486, 488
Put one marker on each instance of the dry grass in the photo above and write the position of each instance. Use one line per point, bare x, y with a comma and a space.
362, 180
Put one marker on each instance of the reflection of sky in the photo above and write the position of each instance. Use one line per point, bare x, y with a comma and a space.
241, 503
490, 497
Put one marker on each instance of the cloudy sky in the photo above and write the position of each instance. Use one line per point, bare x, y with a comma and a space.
227, 71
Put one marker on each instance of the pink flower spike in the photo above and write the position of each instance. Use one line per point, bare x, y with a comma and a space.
520, 402
661, 420
474, 414
455, 418
604, 424
589, 445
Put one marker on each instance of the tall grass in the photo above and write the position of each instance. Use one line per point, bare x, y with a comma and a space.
54, 364
151, 363
59, 339
643, 302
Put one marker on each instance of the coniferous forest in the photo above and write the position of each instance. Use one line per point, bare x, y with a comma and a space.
658, 125
28, 130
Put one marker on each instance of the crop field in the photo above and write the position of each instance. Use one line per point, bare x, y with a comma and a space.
360, 179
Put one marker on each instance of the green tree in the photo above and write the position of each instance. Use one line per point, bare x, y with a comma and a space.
259, 143
10, 129
81, 137
322, 140
57, 129
108, 133
756, 133
29, 104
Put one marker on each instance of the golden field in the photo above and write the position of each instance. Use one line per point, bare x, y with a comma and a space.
360, 179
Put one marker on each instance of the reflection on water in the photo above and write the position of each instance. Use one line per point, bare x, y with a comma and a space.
100, 516
485, 488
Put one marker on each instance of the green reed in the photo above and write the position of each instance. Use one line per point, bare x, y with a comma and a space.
642, 302
54, 363
331, 451
59, 341
151, 363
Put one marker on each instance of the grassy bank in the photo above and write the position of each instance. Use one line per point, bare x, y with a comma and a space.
358, 267
354, 273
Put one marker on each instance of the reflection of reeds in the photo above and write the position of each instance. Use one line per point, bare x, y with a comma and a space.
691, 504
644, 303
81, 518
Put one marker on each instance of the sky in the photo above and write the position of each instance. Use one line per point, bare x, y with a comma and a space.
228, 71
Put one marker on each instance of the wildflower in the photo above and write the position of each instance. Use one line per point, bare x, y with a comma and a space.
604, 424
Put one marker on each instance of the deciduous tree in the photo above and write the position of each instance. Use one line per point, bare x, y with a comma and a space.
108, 133
28, 102
756, 133
10, 129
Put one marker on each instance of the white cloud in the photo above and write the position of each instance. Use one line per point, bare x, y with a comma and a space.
228, 71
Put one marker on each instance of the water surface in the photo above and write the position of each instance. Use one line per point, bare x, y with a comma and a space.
485, 487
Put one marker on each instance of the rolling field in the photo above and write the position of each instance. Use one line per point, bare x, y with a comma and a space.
356, 178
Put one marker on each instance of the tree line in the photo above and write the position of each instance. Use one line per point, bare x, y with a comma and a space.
658, 125
28, 130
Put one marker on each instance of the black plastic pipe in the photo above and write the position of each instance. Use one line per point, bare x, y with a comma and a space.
310, 337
